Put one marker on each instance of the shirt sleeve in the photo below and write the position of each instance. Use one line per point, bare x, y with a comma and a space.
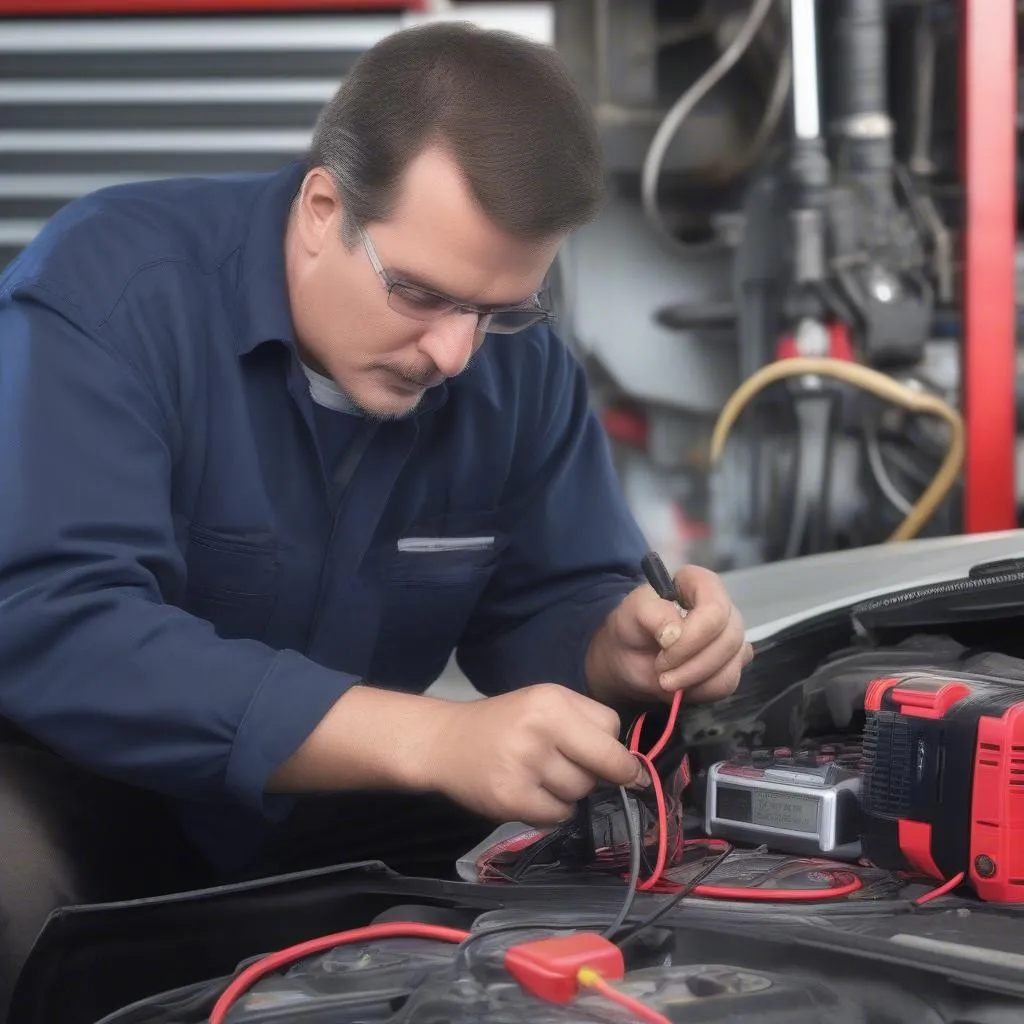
95, 663
573, 547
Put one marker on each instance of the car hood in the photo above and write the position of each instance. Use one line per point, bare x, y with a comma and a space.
783, 594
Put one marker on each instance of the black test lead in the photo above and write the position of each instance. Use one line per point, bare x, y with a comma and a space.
661, 579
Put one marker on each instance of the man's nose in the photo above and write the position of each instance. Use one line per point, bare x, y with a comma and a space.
450, 342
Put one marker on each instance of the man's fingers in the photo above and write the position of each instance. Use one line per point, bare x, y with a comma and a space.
697, 660
729, 648
705, 625
722, 683
658, 619
567, 781
713, 617
602, 755
600, 715
544, 808
698, 586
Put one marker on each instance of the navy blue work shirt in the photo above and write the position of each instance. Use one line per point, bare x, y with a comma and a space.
188, 581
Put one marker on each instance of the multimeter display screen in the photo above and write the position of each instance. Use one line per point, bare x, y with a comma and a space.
768, 808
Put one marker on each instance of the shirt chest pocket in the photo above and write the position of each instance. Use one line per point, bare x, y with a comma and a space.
232, 580
434, 581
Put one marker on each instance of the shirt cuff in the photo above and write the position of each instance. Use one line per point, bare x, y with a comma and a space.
289, 704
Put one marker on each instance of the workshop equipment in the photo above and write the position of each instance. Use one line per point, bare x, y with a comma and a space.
944, 780
791, 207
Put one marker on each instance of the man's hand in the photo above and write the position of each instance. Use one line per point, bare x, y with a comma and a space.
645, 650
524, 756
530, 755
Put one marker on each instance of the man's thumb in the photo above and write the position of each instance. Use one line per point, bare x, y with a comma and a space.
669, 635
643, 778
660, 619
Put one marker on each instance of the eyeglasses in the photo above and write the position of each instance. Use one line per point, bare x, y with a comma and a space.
423, 304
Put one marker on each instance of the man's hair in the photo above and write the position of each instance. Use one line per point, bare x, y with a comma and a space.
503, 107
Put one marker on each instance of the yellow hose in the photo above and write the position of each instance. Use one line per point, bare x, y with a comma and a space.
877, 384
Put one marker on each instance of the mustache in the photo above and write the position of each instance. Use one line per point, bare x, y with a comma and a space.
418, 377
428, 376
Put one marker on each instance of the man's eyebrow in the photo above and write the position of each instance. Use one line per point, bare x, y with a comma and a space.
400, 276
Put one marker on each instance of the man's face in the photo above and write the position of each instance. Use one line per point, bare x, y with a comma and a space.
437, 239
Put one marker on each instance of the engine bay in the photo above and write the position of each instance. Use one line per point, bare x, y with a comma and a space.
751, 970
706, 926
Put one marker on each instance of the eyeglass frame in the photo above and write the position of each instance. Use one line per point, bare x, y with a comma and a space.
484, 314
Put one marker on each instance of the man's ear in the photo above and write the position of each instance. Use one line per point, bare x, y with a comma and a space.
318, 211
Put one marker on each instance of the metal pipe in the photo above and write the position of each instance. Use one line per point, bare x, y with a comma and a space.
806, 91
808, 164
920, 161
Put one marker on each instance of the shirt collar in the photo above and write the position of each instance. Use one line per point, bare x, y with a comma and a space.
262, 286
327, 394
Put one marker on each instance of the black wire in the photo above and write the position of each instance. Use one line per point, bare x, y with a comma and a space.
635, 843
528, 861
635, 851
677, 898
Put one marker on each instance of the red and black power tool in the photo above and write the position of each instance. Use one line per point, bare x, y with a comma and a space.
943, 786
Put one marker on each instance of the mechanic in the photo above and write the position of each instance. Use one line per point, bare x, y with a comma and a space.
271, 448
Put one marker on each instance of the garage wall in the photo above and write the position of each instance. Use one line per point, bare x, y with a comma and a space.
90, 102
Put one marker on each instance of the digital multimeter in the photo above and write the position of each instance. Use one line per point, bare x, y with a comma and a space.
789, 804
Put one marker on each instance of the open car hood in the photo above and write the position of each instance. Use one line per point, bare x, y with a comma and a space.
781, 595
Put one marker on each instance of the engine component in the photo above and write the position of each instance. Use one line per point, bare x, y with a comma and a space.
479, 988
357, 982
879, 259
873, 383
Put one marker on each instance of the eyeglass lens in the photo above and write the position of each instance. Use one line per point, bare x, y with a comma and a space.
423, 305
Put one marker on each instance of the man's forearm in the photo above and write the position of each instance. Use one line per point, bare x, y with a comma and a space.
370, 739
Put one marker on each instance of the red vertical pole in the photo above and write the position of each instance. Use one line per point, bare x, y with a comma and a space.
988, 155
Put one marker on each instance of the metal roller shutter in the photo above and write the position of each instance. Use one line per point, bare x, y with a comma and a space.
88, 103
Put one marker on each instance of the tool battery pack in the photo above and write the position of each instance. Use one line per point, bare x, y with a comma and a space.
943, 780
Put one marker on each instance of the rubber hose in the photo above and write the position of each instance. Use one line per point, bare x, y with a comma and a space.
877, 384
860, 56
862, 101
